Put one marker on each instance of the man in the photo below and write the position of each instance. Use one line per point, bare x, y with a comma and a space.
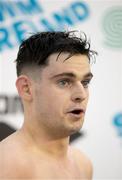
53, 71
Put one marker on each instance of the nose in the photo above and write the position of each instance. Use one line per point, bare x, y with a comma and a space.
79, 93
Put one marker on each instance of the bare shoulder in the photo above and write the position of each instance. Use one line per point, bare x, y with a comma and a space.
5, 157
83, 162
12, 161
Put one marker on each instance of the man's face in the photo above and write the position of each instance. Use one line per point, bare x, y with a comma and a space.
61, 94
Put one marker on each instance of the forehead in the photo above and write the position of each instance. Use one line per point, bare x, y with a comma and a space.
77, 64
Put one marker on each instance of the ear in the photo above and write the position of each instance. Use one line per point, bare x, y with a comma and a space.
24, 87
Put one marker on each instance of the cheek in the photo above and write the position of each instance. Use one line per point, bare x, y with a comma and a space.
87, 98
56, 104
51, 98
87, 95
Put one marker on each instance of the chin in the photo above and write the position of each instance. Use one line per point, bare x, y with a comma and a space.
75, 129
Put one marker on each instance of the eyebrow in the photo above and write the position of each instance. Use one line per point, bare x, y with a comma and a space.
72, 75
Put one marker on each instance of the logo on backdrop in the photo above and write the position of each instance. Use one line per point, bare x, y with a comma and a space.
117, 122
112, 27
19, 19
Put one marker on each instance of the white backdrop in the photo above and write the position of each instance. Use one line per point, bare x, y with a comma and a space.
102, 22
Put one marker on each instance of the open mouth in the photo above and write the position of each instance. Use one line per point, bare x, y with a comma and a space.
77, 111
76, 114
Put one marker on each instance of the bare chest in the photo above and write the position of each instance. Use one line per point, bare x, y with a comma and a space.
49, 170
43, 169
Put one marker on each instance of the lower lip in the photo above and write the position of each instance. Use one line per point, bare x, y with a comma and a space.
77, 116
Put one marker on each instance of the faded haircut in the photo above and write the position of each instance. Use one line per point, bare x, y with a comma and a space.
34, 51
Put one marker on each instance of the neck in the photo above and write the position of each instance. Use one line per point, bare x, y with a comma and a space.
45, 143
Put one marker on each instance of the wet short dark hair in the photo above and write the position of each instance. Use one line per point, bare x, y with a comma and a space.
35, 50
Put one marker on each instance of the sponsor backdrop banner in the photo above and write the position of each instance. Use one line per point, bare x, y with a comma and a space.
101, 135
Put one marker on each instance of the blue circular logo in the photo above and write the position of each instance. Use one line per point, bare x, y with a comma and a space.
117, 121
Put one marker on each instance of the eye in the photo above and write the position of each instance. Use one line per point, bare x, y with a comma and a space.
64, 82
85, 83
